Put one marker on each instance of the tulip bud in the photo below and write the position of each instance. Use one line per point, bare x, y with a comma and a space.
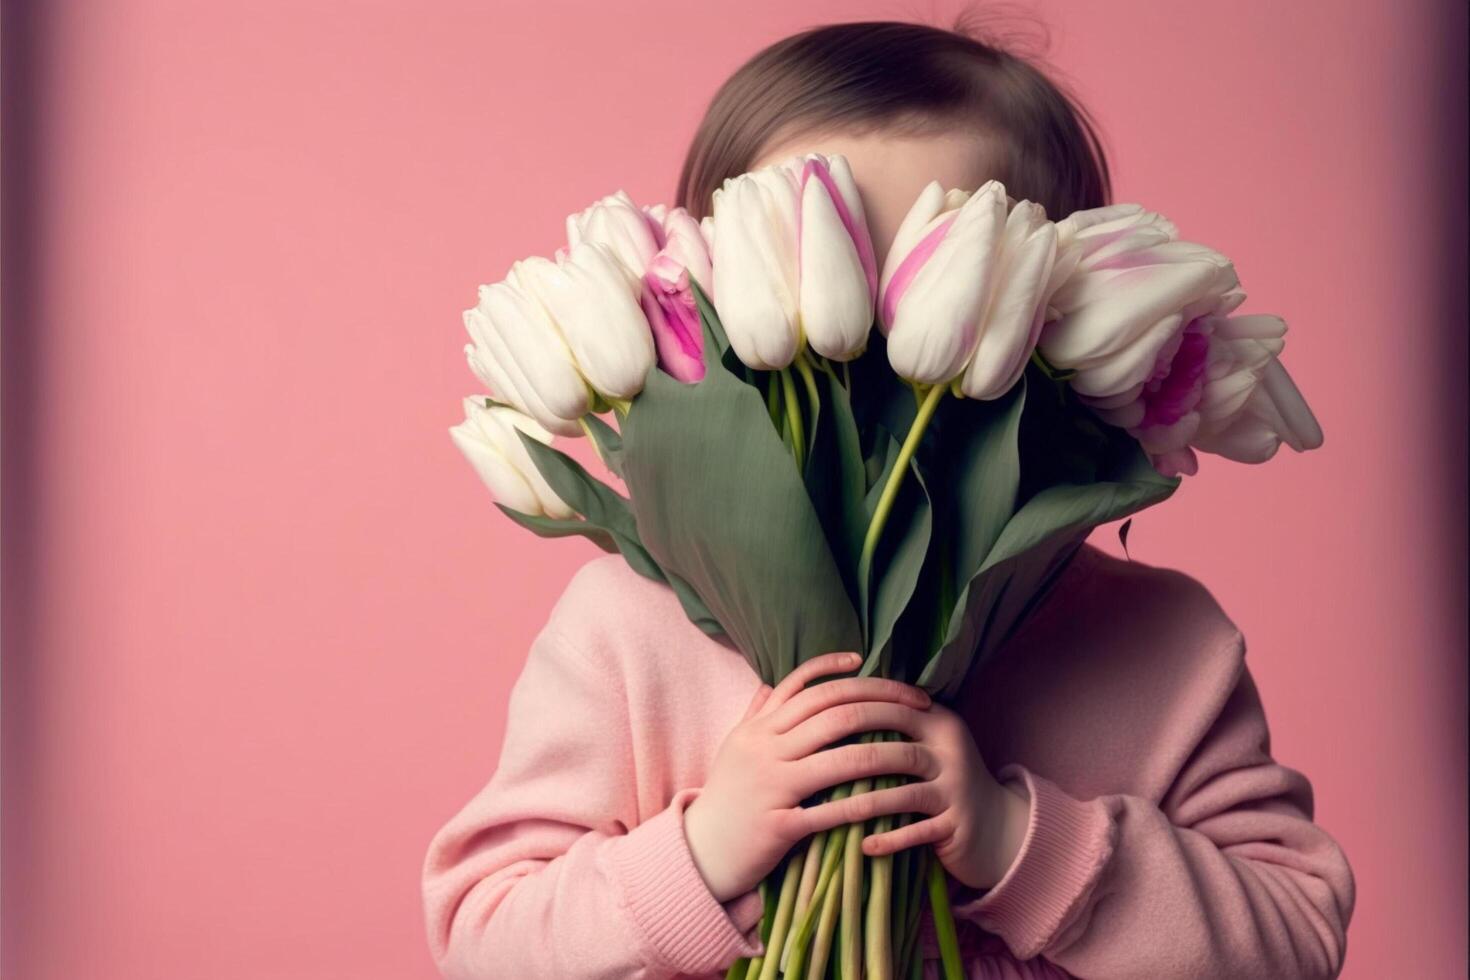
938, 280
836, 268
755, 266
633, 235
518, 353
488, 438
1014, 317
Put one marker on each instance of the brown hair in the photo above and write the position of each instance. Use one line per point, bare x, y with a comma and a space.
911, 77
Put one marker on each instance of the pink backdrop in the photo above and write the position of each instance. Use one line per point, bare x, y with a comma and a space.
260, 618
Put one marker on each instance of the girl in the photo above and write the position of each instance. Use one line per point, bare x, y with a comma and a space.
1101, 793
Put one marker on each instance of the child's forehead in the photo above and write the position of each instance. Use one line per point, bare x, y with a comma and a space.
957, 157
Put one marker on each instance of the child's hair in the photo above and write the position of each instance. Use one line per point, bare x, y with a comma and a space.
910, 78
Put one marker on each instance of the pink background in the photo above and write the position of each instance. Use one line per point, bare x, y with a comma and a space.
260, 619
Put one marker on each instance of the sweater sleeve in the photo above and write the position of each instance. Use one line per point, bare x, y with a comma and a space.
547, 871
1226, 877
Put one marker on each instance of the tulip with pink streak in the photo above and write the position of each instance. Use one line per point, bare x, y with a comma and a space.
1217, 386
1123, 288
837, 269
668, 298
663, 248
942, 278
793, 262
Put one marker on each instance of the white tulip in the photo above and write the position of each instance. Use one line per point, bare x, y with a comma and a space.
488, 439
755, 266
520, 356
592, 298
615, 221
1017, 307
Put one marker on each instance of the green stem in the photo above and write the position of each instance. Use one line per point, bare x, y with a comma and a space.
918, 867
826, 880
878, 930
773, 398
850, 955
784, 906
811, 872
944, 931
895, 478
804, 368
793, 414
822, 948
901, 871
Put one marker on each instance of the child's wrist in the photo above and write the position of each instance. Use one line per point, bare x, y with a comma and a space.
1008, 832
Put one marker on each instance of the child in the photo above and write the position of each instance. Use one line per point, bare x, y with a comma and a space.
1101, 793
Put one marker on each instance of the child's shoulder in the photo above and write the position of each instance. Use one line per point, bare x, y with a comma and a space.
1156, 606
608, 609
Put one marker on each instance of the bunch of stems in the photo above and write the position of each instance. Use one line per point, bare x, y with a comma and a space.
832, 911
841, 914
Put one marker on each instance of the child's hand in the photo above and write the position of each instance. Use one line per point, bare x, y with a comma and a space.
975, 823
749, 812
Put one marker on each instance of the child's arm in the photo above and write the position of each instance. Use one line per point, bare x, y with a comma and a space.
540, 874
1227, 877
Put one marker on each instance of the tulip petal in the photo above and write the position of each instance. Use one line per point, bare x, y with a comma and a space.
936, 323
590, 299
1112, 309
836, 304
530, 350
1011, 322
915, 225
754, 259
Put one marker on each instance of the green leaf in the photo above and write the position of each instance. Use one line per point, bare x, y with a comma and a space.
898, 561
609, 443
979, 476
1035, 543
718, 502
607, 521
553, 527
836, 480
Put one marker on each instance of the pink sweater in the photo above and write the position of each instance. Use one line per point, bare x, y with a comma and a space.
1164, 841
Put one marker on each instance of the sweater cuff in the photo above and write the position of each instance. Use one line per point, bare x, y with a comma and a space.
1067, 844
682, 923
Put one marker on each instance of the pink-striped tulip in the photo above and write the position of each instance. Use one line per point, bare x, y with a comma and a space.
668, 299
1217, 386
793, 262
938, 280
1124, 289
837, 270
656, 244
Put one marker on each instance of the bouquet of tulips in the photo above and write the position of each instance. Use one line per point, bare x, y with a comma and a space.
807, 483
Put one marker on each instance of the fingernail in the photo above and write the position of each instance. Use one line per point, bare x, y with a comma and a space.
854, 658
